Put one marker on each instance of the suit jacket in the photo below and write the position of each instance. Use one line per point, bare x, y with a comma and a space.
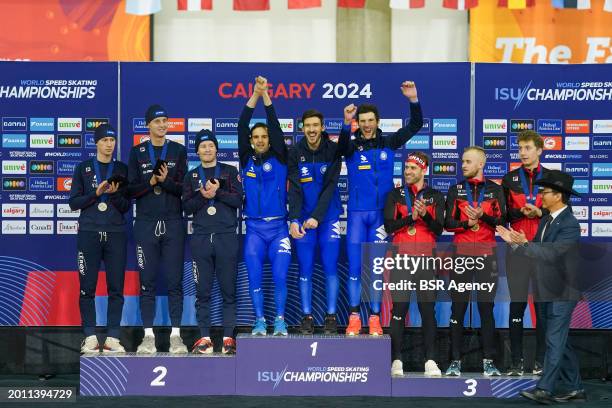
557, 257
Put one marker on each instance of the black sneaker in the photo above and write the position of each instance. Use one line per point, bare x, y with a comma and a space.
307, 327
331, 324
538, 368
516, 369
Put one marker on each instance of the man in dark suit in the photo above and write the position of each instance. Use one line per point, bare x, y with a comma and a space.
555, 247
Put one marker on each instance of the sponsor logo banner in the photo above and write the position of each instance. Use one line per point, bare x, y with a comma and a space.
601, 186
445, 125
226, 125
390, 125
494, 126
14, 141
602, 142
443, 184
496, 169
444, 168
13, 227
333, 125
69, 125
42, 124
581, 186
601, 213
14, 167
576, 126
577, 169
41, 184
576, 143
426, 125
417, 142
41, 167
550, 126
286, 125
197, 124
602, 169
601, 229
519, 125
553, 143
14, 183
139, 125
69, 141
602, 126
176, 124
14, 210
42, 141
67, 227
42, 210
581, 212
445, 142
177, 138
66, 167
64, 183
495, 142
14, 124
92, 123
227, 141
41, 227
64, 211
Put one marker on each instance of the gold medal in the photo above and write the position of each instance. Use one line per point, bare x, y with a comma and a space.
475, 227
102, 207
211, 210
157, 190
411, 231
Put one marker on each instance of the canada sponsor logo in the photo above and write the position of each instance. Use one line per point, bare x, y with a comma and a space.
333, 125
577, 169
286, 125
576, 126
227, 141
13, 210
13, 227
444, 168
601, 213
67, 227
14, 167
176, 124
601, 229
14, 184
14, 141
576, 143
64, 211
602, 126
41, 210
69, 125
550, 126
553, 143
69, 141
417, 142
494, 126
139, 125
42, 124
64, 183
581, 186
445, 142
177, 138
66, 167
41, 227
226, 125
495, 142
42, 141
519, 125
41, 184
41, 167
602, 142
92, 123
602, 170
197, 124
14, 124
601, 186
581, 212
443, 184
390, 125
444, 125
496, 169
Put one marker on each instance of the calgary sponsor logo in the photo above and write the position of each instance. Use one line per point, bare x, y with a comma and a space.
64, 183
14, 167
69, 125
495, 142
41, 184
42, 124
14, 124
226, 125
14, 210
602, 142
553, 143
390, 125
14, 184
602, 169
42, 141
445, 142
602, 126
92, 123
601, 213
41, 210
41, 167
69, 141
494, 126
496, 169
41, 227
444, 125
576, 143
197, 124
601, 186
519, 125
66, 167
550, 126
577, 169
15, 141
417, 142
67, 227
576, 126
444, 169
13, 227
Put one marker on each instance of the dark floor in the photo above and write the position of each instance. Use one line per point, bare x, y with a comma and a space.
599, 394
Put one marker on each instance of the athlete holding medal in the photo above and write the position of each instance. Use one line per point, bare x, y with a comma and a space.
98, 190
